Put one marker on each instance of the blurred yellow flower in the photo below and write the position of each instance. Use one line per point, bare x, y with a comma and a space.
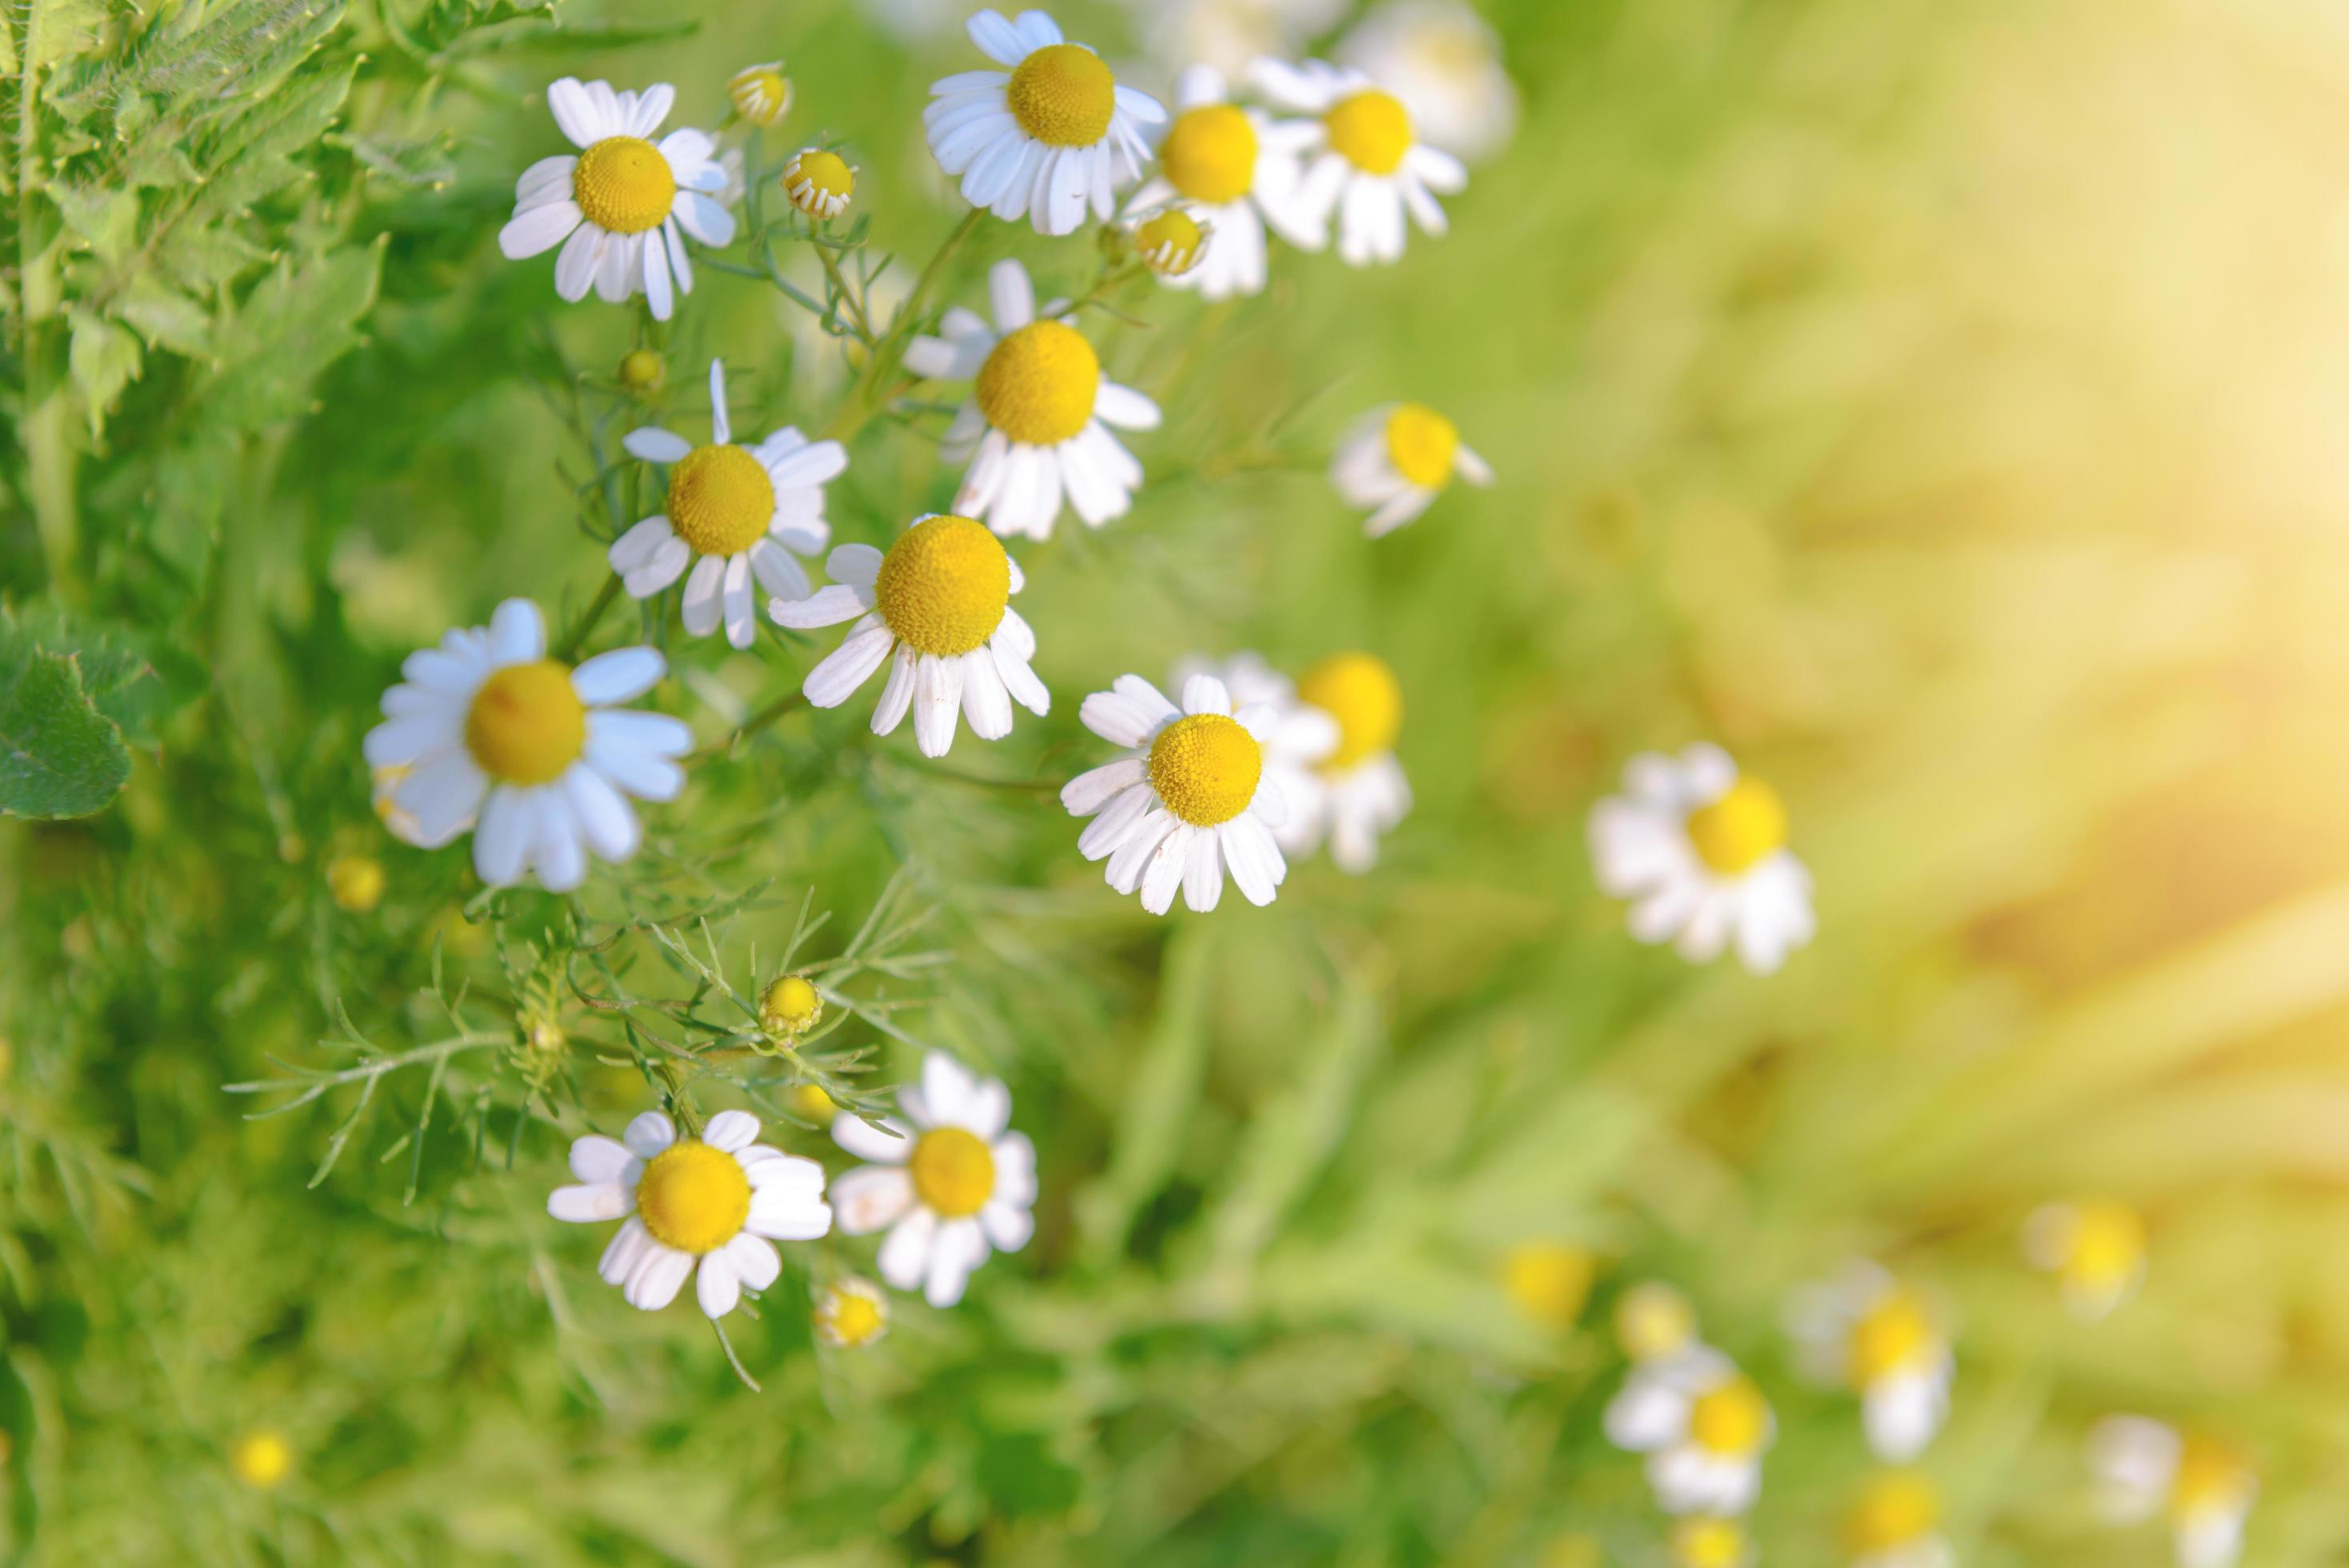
1866, 1331
643, 370
1397, 459
356, 881
790, 1007
1652, 1321
1171, 243
851, 1314
1547, 1281
2146, 1469
261, 1460
810, 1103
1704, 1426
760, 94
1894, 1523
2094, 1247
1710, 1542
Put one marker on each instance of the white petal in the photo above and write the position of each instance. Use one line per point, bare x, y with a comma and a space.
648, 1134
717, 1288
538, 230
731, 1130
656, 445
905, 1253
871, 1198
756, 1262
619, 675
591, 1203
517, 633
597, 1157
866, 1141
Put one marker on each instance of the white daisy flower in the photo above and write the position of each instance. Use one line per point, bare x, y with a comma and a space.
2094, 1247
936, 609
497, 734
1357, 793
742, 511
1444, 61
1397, 460
2146, 1469
1704, 1426
1036, 424
1700, 851
1051, 138
1215, 157
1866, 1331
711, 1206
1303, 737
947, 1182
1367, 165
851, 1314
1896, 1523
622, 209
1709, 1542
819, 183
1189, 800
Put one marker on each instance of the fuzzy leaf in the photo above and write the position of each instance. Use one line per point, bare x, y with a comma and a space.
105, 358
107, 217
169, 319
117, 674
59, 757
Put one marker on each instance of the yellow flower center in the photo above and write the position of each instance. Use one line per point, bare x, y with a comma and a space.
1170, 242
693, 1197
2209, 1475
2107, 1245
1206, 768
1038, 383
1652, 1321
1062, 96
1361, 694
1422, 444
356, 881
1209, 153
852, 1317
1892, 1336
1708, 1543
761, 94
954, 1172
824, 174
1742, 829
642, 371
943, 586
624, 185
1371, 130
810, 1103
261, 1460
720, 501
791, 1007
527, 724
1898, 1510
1729, 1419
1547, 1281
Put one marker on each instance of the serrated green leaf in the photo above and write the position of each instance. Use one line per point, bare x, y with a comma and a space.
116, 674
59, 757
56, 29
254, 155
296, 322
106, 217
104, 359
167, 318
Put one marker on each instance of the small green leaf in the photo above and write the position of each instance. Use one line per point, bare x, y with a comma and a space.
105, 216
59, 757
118, 678
105, 358
169, 319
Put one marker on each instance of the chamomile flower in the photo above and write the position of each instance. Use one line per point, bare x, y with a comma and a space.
1189, 800
1871, 1333
1704, 1426
623, 208
2094, 1247
1548, 1282
1653, 1322
1896, 1523
1700, 851
1215, 157
1367, 166
819, 183
527, 752
1444, 61
760, 94
1357, 792
712, 1207
733, 512
1303, 738
1711, 1542
790, 1008
851, 1314
1397, 460
1037, 425
1053, 136
936, 610
948, 1181
1170, 243
2146, 1469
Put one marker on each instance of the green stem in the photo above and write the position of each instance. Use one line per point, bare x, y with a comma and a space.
568, 649
761, 719
866, 398
48, 431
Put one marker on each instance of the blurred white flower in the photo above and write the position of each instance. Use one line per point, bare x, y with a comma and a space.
1357, 793
1700, 851
1397, 459
1704, 1426
527, 752
851, 1314
1896, 1523
1366, 165
936, 611
1868, 1332
743, 512
2094, 1247
1709, 1542
1228, 34
712, 1207
1037, 425
948, 1181
1189, 799
2146, 1469
622, 208
1444, 61
1053, 136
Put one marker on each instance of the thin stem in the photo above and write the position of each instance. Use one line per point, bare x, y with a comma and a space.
866, 398
761, 719
572, 640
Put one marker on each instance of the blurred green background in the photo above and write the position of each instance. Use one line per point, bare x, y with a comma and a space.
1940, 404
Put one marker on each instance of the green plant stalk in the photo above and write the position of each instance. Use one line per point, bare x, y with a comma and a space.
867, 396
47, 429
